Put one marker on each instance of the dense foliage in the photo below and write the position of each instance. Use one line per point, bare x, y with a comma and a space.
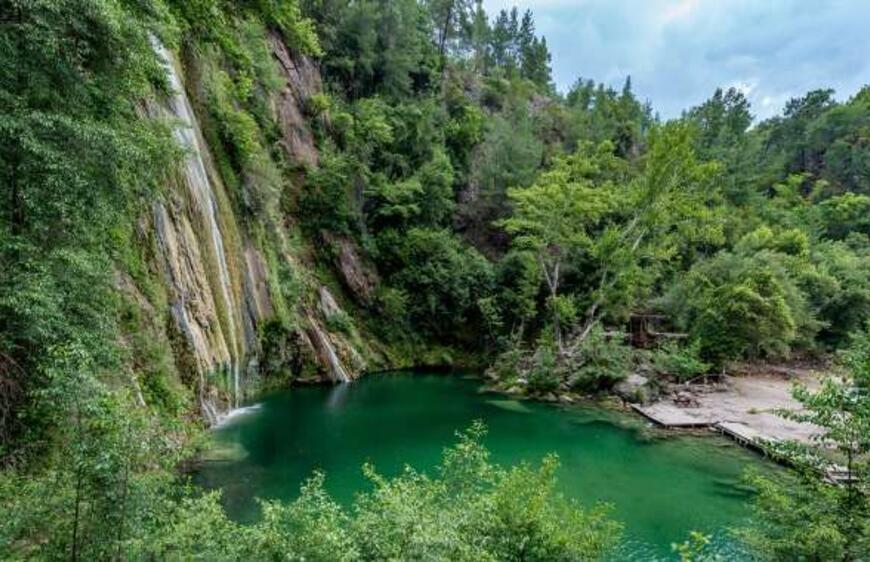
502, 218
749, 238
467, 509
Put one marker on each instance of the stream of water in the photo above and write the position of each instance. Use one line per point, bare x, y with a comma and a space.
660, 488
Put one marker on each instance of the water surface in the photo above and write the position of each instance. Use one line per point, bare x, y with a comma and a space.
661, 488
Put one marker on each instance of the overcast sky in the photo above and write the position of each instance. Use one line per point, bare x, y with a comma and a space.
678, 51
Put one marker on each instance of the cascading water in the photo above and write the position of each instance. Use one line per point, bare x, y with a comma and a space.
217, 282
206, 206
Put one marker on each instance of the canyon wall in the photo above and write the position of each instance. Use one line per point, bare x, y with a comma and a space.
218, 283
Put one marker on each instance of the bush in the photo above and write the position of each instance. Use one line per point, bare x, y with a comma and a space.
473, 510
339, 322
466, 509
600, 362
324, 203
506, 367
742, 306
682, 362
544, 375
441, 279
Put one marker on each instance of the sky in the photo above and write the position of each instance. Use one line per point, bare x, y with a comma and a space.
679, 51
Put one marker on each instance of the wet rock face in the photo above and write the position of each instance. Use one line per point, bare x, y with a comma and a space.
328, 305
257, 301
214, 287
336, 354
302, 80
325, 351
216, 277
191, 300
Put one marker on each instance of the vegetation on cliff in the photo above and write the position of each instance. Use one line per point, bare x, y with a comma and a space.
434, 190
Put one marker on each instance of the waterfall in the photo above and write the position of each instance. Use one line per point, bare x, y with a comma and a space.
321, 342
206, 205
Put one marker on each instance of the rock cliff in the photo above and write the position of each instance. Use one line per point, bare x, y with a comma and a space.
219, 284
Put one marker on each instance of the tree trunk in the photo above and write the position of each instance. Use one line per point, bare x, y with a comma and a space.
442, 41
557, 324
552, 279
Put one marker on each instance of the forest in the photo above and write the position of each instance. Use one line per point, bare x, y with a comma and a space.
498, 224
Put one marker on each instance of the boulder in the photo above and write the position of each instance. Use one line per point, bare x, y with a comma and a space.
635, 388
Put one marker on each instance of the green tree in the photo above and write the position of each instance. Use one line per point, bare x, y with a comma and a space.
76, 153
803, 517
722, 120
106, 480
598, 113
740, 306
442, 278
552, 219
452, 20
533, 55
627, 229
373, 47
510, 155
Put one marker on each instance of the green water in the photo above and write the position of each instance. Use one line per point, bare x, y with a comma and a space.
660, 488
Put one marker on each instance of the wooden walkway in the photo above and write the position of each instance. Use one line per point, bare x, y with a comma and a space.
745, 435
674, 417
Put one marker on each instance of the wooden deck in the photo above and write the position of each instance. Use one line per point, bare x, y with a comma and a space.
745, 435
675, 417
672, 416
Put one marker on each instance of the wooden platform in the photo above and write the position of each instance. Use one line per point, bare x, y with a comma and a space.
671, 416
729, 422
744, 435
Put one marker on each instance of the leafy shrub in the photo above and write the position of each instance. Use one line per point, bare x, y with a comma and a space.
394, 304
318, 104
281, 353
506, 367
544, 374
325, 201
741, 306
473, 510
599, 362
466, 509
339, 322
680, 361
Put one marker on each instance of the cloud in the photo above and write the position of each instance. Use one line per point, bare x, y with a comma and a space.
678, 51
678, 10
